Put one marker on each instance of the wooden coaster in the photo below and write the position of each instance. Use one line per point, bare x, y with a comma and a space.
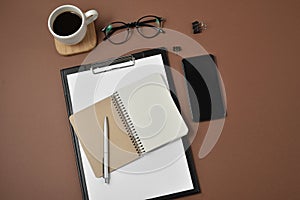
88, 43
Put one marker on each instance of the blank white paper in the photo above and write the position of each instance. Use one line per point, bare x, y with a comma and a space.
161, 172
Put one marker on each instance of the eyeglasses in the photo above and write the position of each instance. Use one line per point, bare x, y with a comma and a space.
148, 26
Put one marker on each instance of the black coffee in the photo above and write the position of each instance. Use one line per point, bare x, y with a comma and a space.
66, 23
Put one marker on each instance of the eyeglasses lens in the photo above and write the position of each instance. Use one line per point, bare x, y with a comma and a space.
149, 26
117, 32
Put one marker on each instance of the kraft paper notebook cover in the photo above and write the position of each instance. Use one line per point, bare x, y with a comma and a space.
129, 111
121, 147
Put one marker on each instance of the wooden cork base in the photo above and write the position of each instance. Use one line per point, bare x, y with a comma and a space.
87, 44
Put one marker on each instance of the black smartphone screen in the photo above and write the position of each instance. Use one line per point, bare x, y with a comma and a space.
203, 85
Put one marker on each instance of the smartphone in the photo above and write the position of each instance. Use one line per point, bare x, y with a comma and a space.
203, 88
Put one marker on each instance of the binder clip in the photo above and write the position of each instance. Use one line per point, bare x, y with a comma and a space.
177, 48
198, 27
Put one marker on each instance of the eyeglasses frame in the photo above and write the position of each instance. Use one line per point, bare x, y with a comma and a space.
136, 25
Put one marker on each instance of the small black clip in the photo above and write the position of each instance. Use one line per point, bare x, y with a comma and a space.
177, 48
198, 27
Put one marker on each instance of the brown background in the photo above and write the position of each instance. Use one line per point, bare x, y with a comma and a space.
257, 47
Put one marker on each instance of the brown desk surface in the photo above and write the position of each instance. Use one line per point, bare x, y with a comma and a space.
256, 45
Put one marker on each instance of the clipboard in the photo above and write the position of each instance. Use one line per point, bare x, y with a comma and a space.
102, 67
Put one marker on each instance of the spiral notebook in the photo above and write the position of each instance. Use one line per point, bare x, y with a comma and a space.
129, 111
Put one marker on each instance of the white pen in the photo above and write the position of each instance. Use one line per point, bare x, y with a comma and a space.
105, 150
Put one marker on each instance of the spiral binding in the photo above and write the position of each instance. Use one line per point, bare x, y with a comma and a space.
122, 112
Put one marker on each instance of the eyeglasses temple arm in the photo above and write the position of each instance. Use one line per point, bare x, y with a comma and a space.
149, 25
160, 19
114, 29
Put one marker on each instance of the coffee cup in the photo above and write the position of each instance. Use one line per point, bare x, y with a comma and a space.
68, 24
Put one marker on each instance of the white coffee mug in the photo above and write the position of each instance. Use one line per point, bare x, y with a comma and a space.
74, 38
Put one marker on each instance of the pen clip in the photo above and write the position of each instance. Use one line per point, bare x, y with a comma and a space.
103, 166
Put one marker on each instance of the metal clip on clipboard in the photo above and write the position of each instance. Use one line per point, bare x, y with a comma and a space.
108, 65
